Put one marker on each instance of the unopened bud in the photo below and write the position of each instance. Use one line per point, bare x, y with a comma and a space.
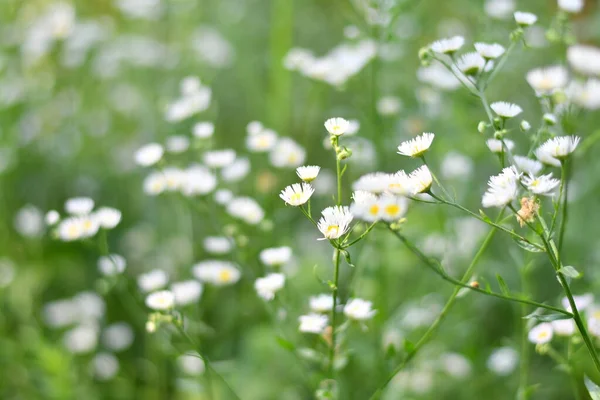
481, 127
550, 119
150, 327
344, 153
525, 126
425, 56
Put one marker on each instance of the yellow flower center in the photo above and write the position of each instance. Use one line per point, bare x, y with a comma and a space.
295, 197
72, 231
392, 209
224, 275
374, 209
332, 230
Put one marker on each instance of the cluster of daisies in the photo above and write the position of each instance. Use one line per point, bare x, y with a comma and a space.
321, 306
544, 332
80, 317
81, 221
283, 152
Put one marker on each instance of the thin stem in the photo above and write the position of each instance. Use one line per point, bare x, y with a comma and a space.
565, 198
525, 345
362, 236
339, 180
336, 276
500, 64
486, 106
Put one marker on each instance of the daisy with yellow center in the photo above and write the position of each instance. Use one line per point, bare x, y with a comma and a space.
541, 333
297, 194
162, 300
337, 126
216, 272
417, 146
334, 222
392, 207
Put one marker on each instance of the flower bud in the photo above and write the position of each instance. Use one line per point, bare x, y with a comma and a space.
525, 126
550, 119
481, 127
344, 153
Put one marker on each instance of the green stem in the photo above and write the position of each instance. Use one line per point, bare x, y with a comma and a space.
336, 276
565, 199
339, 180
525, 345
500, 64
362, 236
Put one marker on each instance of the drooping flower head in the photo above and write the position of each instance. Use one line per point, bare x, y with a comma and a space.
448, 46
416, 147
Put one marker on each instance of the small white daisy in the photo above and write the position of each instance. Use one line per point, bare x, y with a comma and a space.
375, 182
287, 154
70, 229
541, 333
197, 180
365, 206
216, 272
245, 209
392, 207
107, 217
79, 205
162, 300
584, 59
313, 323
503, 361
502, 188
564, 327
308, 173
149, 154
505, 109
52, 217
543, 184
219, 158
496, 145
217, 244
489, 50
582, 302
276, 256
470, 63
524, 164
153, 280
269, 285
420, 180
155, 183
186, 292
337, 126
236, 171
448, 46
525, 126
358, 309
203, 130
546, 80
177, 144
254, 127
557, 148
110, 265
416, 147
261, 141
297, 194
525, 18
334, 222
322, 303
571, 6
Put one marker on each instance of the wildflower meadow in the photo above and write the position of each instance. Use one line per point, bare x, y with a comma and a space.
300, 199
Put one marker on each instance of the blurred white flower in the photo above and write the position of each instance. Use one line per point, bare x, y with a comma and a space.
525, 18
584, 59
337, 126
7, 272
527, 165
104, 366
572, 6
582, 302
389, 105
216, 272
456, 365
500, 9
502, 188
489, 50
269, 285
287, 154
297, 194
211, 47
546, 80
161, 300
541, 333
236, 171
107, 217
149, 154
198, 180
308, 173
503, 361
261, 141
79, 205
416, 147
142, 9
218, 244
313, 323
177, 144
203, 130
556, 149
505, 109
448, 46
186, 292
470, 63
496, 146
155, 183
322, 303
118, 336
223, 196
219, 158
586, 95
29, 221
366, 206
392, 207
358, 309
111, 264
52, 217
564, 327
420, 180
456, 166
246, 209
152, 280
81, 339
276, 256
191, 364
543, 184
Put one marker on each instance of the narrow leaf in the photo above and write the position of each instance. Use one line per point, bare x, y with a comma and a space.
546, 317
503, 286
528, 246
286, 344
570, 272
593, 389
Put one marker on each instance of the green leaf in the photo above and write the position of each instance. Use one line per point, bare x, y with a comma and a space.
546, 317
347, 257
503, 286
592, 388
409, 346
286, 344
528, 246
570, 272
484, 216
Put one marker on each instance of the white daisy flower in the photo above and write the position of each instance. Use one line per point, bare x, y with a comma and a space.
81, 339
104, 366
254, 128
189, 85
470, 63
217, 244
79, 205
543, 184
448, 46
550, 119
416, 147
149, 154
322, 303
524, 164
269, 285
162, 300
152, 280
389, 105
191, 364
177, 144
586, 95
398, 183
496, 145
503, 361
236, 171
223, 196
197, 180
502, 188
52, 217
219, 158
525, 126
246, 209
276, 256
358, 309
313, 323
203, 130
107, 217
353, 127
111, 265
174, 178
70, 229
546, 80
584, 59
287, 154
334, 222
216, 272
525, 18
420, 180
557, 148
186, 292
563, 327
489, 50
118, 336
392, 207
261, 141
297, 194
541, 333
155, 183
308, 173
505, 109
571, 6
375, 182
500, 9
337, 126
365, 206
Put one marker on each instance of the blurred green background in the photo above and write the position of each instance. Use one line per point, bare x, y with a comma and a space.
72, 115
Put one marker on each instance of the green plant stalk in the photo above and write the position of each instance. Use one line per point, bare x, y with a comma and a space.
431, 330
565, 199
336, 276
339, 180
525, 346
